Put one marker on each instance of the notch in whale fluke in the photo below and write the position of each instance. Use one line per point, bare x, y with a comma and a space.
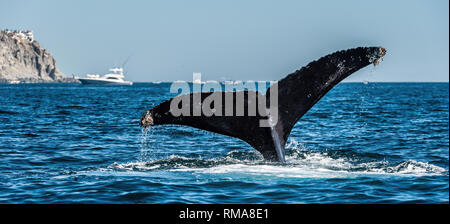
297, 93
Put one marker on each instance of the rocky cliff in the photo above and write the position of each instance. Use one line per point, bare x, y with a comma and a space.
26, 61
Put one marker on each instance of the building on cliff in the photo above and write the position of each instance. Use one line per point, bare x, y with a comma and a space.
26, 35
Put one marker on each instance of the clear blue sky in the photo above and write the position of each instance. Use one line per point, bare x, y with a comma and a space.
246, 40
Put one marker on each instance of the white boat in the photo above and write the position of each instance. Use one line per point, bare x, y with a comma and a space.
14, 82
233, 82
115, 77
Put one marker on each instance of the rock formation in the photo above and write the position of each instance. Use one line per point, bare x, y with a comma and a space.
26, 61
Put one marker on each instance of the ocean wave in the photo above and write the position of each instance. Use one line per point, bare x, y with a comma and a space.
8, 112
301, 163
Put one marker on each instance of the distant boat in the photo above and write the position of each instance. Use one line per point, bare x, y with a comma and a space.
14, 82
231, 82
365, 82
114, 78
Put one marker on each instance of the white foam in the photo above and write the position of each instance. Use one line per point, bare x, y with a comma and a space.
304, 163
266, 170
410, 168
301, 163
142, 166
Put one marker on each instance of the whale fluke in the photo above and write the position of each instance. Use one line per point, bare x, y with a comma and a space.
297, 93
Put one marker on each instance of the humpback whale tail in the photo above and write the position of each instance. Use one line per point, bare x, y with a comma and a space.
296, 94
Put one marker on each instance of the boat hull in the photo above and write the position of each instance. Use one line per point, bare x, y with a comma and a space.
104, 82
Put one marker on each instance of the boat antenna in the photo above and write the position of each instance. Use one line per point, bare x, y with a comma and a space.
126, 61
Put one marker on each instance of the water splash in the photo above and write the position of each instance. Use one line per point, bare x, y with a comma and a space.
146, 143
300, 163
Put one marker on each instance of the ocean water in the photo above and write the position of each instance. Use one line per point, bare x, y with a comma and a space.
374, 143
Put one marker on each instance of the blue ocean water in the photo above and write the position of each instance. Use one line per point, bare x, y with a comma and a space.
374, 143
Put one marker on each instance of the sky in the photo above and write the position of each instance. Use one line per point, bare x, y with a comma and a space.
238, 40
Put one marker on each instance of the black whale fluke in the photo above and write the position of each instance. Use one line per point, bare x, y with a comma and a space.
297, 93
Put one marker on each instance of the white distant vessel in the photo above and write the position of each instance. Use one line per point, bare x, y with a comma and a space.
233, 82
14, 82
115, 77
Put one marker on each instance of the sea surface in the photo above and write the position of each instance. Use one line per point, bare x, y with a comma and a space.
374, 143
